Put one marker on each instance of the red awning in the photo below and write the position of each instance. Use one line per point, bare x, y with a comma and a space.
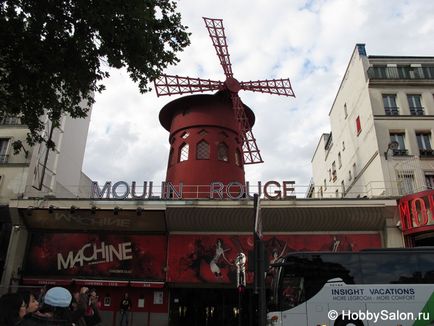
46, 281
139, 284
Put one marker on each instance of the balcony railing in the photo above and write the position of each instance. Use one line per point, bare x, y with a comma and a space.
391, 110
416, 111
400, 152
4, 158
426, 152
396, 73
10, 120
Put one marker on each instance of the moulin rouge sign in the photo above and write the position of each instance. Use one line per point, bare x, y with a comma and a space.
215, 190
417, 212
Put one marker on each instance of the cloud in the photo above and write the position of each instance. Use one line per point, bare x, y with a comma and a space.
308, 41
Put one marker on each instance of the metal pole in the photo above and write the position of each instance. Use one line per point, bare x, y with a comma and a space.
259, 252
261, 281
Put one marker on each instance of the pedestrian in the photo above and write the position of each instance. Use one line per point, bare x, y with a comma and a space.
54, 310
92, 315
125, 309
12, 309
30, 300
79, 305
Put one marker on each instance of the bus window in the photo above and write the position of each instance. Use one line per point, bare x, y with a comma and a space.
344, 266
292, 291
383, 268
426, 267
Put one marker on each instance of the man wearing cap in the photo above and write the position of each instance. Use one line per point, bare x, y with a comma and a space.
54, 311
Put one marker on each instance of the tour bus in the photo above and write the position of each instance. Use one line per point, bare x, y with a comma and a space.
390, 287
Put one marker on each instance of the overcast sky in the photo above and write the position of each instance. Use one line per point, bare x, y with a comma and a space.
308, 41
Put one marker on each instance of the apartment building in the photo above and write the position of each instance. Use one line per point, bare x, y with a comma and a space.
382, 124
36, 172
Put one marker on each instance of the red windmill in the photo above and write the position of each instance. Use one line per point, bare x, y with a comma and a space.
242, 117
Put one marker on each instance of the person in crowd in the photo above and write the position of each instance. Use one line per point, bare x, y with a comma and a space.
55, 310
79, 305
12, 309
125, 309
92, 315
31, 302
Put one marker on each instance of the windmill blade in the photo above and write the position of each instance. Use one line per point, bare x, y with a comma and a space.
251, 154
273, 86
169, 85
217, 34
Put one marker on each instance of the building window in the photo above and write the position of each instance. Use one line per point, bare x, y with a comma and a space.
415, 104
345, 110
358, 125
203, 132
222, 152
183, 152
350, 177
185, 135
389, 102
202, 150
429, 180
399, 138
337, 193
405, 183
339, 160
424, 143
343, 188
343, 146
325, 184
4, 150
238, 157
330, 175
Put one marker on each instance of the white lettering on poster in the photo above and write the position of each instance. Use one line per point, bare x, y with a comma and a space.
91, 253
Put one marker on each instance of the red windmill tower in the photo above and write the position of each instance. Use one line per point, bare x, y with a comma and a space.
211, 135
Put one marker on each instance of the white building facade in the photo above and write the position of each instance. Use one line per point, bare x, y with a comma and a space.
36, 172
382, 124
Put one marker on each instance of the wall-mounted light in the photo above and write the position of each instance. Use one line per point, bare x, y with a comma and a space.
116, 210
93, 210
139, 211
390, 147
73, 209
16, 228
51, 209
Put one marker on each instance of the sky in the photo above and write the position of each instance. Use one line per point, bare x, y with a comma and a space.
309, 42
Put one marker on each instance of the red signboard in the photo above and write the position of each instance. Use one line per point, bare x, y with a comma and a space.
97, 255
199, 258
417, 212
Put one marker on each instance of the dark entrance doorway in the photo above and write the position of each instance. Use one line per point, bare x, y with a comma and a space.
208, 307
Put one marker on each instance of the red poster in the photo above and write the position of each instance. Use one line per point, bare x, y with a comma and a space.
97, 255
210, 258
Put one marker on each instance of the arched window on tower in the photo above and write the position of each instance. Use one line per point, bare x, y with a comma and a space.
222, 152
238, 160
202, 150
183, 152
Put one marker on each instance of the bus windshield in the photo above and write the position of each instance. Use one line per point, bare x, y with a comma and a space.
292, 291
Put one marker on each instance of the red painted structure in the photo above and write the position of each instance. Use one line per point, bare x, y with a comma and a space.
417, 212
211, 136
203, 122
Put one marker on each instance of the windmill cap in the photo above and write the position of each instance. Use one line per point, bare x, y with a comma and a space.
58, 297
